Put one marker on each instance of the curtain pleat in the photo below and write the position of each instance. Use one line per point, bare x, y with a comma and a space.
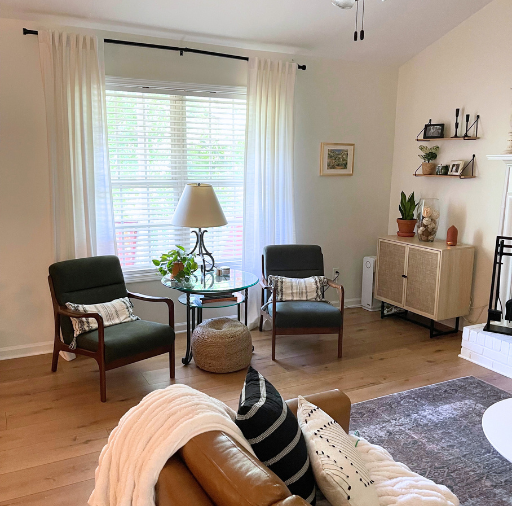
74, 89
269, 216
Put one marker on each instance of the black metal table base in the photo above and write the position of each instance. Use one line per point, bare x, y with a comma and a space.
434, 331
191, 322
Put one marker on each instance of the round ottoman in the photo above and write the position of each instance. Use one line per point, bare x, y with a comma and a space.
222, 345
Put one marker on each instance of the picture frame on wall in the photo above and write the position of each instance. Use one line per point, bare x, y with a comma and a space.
433, 131
456, 167
337, 159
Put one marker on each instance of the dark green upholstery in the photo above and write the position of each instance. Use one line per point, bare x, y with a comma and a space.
129, 339
86, 281
293, 260
301, 314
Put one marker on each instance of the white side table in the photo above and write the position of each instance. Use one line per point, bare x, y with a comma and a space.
497, 424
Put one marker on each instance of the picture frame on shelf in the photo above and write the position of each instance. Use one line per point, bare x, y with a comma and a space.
337, 159
433, 131
456, 167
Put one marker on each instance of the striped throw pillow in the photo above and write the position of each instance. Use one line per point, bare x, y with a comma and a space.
289, 288
275, 435
118, 311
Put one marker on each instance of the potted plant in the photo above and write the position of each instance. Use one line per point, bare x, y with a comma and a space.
407, 222
177, 263
428, 156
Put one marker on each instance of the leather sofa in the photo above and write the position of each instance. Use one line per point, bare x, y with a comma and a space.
213, 469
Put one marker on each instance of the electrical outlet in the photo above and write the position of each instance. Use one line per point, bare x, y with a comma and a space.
335, 273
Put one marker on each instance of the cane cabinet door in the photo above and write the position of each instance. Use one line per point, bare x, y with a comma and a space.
422, 281
390, 272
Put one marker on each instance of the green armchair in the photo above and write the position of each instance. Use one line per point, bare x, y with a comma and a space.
299, 317
93, 281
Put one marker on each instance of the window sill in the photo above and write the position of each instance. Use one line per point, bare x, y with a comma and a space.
141, 275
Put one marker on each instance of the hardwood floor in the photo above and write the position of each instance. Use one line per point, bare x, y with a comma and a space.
53, 426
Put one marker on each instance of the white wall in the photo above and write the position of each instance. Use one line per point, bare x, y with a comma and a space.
470, 68
335, 102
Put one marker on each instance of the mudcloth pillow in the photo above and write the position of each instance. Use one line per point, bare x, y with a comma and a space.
274, 434
289, 288
118, 311
339, 470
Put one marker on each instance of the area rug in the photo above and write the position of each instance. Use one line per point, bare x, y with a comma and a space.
437, 431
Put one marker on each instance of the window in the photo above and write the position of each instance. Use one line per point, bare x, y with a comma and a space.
162, 136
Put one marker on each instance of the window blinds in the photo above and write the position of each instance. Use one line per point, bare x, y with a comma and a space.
162, 136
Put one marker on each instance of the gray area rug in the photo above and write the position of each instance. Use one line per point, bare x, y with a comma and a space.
437, 431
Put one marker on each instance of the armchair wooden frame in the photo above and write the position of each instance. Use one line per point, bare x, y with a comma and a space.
99, 355
298, 330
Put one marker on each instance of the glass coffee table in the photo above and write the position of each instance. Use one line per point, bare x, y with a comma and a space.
199, 285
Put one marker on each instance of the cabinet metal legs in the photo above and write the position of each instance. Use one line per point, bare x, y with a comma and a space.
431, 325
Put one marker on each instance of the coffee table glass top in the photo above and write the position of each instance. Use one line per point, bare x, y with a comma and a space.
211, 283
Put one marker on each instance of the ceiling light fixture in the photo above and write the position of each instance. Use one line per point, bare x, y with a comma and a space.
348, 4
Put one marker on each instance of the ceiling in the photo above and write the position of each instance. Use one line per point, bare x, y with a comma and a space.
396, 30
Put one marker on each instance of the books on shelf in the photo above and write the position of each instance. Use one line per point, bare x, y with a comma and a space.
218, 297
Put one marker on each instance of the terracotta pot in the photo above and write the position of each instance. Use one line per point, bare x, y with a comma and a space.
406, 227
176, 269
428, 168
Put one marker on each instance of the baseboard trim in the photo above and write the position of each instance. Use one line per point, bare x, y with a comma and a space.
46, 347
32, 349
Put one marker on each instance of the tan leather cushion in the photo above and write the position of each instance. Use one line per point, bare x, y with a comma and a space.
229, 474
177, 486
335, 403
292, 501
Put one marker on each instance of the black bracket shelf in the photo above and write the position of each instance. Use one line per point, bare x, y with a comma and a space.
460, 176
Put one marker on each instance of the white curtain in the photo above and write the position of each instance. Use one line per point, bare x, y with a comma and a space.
74, 90
268, 203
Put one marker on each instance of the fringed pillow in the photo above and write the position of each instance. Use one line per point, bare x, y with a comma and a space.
118, 311
289, 288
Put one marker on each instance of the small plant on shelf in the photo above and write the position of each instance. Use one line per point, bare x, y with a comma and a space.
407, 222
176, 263
428, 156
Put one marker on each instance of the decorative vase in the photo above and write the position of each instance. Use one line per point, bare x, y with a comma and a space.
406, 227
452, 235
428, 219
428, 168
176, 269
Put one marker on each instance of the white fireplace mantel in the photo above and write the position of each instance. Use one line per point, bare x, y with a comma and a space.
504, 158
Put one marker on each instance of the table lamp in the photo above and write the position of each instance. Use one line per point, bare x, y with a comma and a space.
199, 208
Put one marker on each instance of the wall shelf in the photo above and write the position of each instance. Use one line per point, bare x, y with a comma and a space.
443, 176
460, 176
448, 138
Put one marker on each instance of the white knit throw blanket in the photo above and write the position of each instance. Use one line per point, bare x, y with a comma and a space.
396, 484
151, 432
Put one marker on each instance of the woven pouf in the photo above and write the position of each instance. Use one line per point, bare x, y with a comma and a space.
222, 345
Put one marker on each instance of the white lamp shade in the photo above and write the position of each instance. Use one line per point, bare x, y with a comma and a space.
198, 207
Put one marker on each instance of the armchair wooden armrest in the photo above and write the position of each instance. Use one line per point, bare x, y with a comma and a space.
341, 293
149, 298
264, 283
77, 314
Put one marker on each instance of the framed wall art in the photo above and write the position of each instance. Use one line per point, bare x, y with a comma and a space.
336, 159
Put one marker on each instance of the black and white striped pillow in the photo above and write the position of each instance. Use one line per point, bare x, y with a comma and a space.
275, 435
118, 311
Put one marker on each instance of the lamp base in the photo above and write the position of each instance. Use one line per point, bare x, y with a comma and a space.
202, 251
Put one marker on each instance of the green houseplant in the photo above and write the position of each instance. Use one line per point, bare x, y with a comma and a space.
177, 263
407, 222
428, 156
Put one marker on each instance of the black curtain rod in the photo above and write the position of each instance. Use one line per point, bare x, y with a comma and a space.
26, 32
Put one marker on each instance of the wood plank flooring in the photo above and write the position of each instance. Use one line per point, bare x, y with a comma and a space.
53, 426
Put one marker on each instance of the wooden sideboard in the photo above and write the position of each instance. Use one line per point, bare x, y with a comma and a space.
430, 279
